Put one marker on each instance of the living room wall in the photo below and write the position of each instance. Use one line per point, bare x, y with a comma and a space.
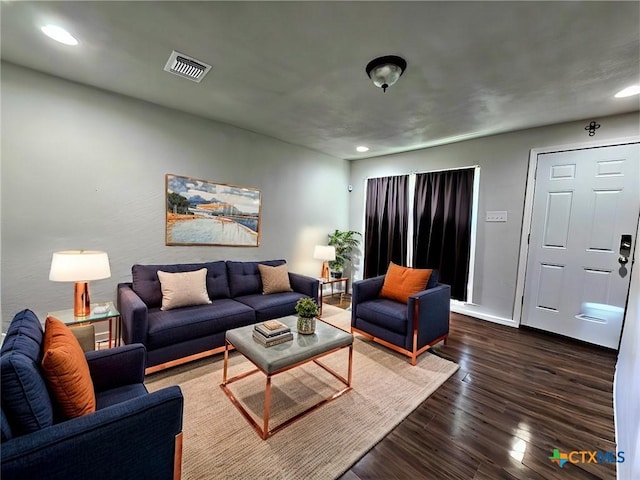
503, 161
83, 168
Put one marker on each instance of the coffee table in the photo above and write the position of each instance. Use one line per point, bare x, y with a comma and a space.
271, 361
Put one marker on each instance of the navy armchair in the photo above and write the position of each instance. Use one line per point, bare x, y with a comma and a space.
410, 328
132, 433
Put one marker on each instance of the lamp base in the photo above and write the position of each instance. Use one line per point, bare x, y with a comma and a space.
325, 270
81, 303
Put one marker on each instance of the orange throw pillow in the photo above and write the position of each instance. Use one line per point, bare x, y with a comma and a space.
66, 370
402, 282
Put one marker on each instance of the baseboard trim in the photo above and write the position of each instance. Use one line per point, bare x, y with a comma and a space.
463, 309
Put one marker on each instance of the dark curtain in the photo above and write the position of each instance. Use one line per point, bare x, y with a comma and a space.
386, 220
442, 226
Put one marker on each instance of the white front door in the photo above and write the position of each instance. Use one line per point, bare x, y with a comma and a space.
584, 202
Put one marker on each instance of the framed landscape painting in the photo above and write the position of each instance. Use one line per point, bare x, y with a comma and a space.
200, 212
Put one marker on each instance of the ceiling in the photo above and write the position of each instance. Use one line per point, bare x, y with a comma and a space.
296, 70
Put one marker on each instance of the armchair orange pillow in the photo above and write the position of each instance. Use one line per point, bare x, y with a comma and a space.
66, 370
402, 282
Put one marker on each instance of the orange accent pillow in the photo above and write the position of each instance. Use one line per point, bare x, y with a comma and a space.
66, 370
402, 282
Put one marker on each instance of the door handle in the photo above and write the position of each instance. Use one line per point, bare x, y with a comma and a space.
625, 249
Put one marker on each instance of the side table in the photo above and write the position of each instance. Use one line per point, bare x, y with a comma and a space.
331, 282
111, 315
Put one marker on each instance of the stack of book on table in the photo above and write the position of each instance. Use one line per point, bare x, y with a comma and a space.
271, 333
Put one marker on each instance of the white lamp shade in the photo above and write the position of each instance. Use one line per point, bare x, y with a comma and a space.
79, 266
324, 252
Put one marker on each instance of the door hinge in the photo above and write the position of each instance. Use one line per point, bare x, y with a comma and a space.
528, 238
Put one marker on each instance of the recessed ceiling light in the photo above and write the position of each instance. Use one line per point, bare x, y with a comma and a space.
59, 34
362, 149
629, 91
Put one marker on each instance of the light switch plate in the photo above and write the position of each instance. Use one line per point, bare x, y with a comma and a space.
496, 216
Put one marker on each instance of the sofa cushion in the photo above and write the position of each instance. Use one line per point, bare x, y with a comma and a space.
66, 370
147, 284
274, 279
272, 306
27, 327
402, 282
183, 289
386, 313
25, 398
244, 277
170, 327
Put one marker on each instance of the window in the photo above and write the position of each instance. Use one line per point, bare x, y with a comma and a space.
441, 226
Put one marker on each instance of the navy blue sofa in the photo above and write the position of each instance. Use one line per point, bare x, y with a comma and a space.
410, 328
179, 335
132, 433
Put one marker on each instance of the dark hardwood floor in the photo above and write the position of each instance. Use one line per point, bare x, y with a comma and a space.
518, 395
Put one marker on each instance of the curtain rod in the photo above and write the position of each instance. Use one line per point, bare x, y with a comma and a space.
415, 172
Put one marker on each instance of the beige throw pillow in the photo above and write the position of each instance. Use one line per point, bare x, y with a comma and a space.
274, 279
183, 289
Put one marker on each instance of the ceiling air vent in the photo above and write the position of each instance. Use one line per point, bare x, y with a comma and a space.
186, 66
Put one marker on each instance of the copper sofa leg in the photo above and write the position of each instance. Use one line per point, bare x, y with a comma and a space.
177, 458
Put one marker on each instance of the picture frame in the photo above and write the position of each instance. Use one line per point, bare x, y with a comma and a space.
201, 212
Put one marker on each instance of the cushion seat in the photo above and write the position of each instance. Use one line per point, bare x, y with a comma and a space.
271, 306
169, 327
385, 313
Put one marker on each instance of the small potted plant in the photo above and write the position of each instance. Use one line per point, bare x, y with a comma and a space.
307, 311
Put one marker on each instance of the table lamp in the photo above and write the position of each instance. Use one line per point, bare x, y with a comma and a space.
80, 266
325, 253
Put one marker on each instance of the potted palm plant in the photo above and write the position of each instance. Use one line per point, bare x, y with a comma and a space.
307, 311
344, 242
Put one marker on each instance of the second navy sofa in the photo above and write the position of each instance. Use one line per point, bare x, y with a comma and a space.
182, 334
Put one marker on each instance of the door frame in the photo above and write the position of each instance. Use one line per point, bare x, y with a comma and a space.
528, 209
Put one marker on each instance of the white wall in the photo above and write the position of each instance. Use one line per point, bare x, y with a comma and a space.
626, 392
503, 161
85, 169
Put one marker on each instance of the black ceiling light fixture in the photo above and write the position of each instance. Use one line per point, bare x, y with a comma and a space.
385, 71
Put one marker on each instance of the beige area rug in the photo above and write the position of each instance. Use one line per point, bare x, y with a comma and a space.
220, 444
